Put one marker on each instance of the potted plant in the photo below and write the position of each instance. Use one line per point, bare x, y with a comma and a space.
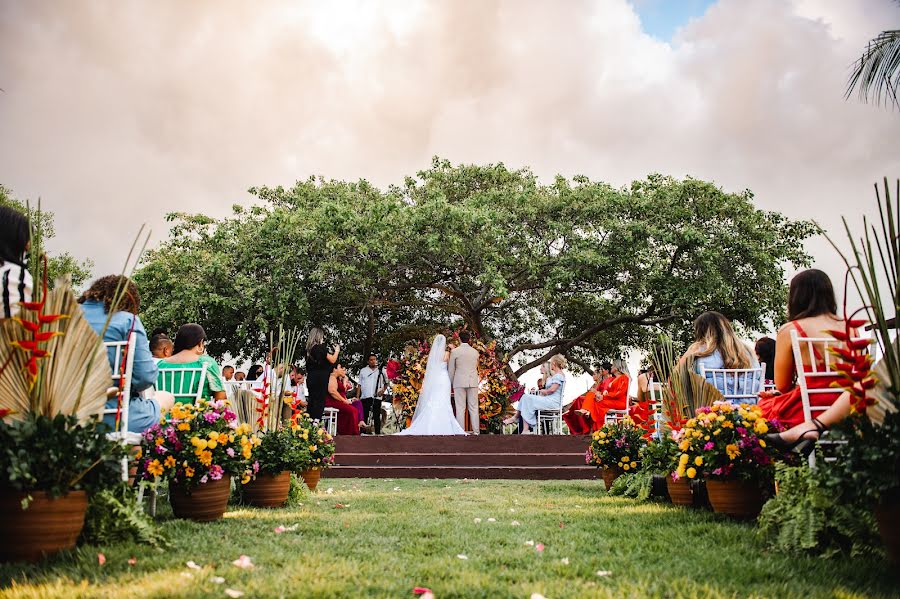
723, 445
316, 448
615, 448
659, 459
279, 450
54, 377
197, 448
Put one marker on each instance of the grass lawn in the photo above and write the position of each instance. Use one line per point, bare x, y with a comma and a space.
382, 538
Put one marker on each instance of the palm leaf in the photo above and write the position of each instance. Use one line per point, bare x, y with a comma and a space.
876, 73
75, 355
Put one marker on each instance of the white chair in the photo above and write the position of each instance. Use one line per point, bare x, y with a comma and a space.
738, 385
329, 420
617, 415
822, 345
551, 419
656, 400
182, 383
122, 379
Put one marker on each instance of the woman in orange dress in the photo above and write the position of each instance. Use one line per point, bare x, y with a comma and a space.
582, 414
812, 312
615, 396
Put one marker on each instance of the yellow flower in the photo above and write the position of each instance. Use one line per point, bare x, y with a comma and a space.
160, 441
155, 468
691, 472
698, 461
213, 436
732, 450
706, 438
596, 435
684, 445
184, 426
761, 428
245, 478
762, 443
205, 458
728, 424
602, 434
680, 471
138, 453
626, 467
170, 462
621, 464
313, 447
212, 444
626, 459
683, 459
189, 472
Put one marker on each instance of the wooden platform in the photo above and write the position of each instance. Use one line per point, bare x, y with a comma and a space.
483, 456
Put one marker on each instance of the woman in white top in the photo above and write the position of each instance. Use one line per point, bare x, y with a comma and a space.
15, 280
548, 398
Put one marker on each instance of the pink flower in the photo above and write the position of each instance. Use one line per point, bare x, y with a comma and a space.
539, 547
709, 445
211, 417
216, 472
101, 559
255, 467
230, 452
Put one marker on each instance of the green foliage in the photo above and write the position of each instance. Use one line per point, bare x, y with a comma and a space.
57, 455
807, 516
637, 485
279, 450
298, 492
59, 265
868, 463
659, 457
591, 267
114, 516
315, 447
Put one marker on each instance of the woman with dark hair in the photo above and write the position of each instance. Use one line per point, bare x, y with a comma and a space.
349, 417
765, 353
15, 280
96, 303
319, 364
190, 352
254, 372
583, 416
812, 312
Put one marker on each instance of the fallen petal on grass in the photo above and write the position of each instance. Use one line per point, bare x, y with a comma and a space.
492, 519
193, 565
187, 575
529, 543
132, 561
421, 590
477, 520
539, 547
101, 559
243, 562
514, 523
279, 530
329, 491
603, 572
234, 593
461, 556
217, 580
564, 561
537, 596
396, 488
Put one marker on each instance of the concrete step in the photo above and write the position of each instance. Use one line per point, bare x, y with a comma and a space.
462, 444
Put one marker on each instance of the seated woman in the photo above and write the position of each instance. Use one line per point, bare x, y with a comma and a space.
641, 411
96, 303
189, 351
812, 312
15, 280
765, 353
582, 414
716, 346
548, 398
348, 418
615, 396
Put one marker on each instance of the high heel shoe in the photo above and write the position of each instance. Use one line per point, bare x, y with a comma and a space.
804, 445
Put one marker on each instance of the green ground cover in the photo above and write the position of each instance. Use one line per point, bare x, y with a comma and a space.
382, 538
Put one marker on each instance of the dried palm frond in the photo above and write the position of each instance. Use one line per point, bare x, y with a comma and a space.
687, 391
76, 354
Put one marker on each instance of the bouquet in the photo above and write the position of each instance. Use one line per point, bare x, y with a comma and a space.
726, 441
617, 445
195, 443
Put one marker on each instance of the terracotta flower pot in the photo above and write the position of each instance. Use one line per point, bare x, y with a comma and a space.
888, 517
311, 477
680, 491
739, 499
46, 527
701, 496
268, 490
609, 476
658, 487
205, 503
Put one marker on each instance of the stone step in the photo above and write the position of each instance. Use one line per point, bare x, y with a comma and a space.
383, 444
459, 459
461, 472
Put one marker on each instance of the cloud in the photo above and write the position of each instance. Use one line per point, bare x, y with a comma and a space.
116, 113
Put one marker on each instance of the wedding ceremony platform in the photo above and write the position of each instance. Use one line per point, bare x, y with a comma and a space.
535, 457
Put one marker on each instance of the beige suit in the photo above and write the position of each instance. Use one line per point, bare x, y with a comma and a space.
464, 378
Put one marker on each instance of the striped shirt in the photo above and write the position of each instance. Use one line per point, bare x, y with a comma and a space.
15, 287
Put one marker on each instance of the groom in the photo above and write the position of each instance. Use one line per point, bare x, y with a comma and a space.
464, 378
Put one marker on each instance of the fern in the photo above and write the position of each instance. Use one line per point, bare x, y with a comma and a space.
637, 485
114, 515
806, 517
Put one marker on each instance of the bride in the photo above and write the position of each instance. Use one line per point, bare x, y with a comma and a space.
434, 415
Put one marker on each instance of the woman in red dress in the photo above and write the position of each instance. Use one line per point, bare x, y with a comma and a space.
583, 413
812, 312
348, 422
615, 396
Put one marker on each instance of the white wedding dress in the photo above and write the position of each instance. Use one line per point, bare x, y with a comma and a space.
434, 414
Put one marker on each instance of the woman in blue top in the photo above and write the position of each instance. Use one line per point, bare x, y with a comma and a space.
548, 398
716, 346
96, 303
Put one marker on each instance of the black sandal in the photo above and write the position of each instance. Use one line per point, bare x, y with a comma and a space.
803, 445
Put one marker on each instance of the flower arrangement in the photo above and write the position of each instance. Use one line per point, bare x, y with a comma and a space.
617, 445
315, 446
725, 441
194, 443
497, 390
660, 456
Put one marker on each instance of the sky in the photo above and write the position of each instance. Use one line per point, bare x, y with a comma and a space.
116, 113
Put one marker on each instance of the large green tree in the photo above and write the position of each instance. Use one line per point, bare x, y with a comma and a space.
574, 266
60, 264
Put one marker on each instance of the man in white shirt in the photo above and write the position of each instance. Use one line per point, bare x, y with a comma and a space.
372, 385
